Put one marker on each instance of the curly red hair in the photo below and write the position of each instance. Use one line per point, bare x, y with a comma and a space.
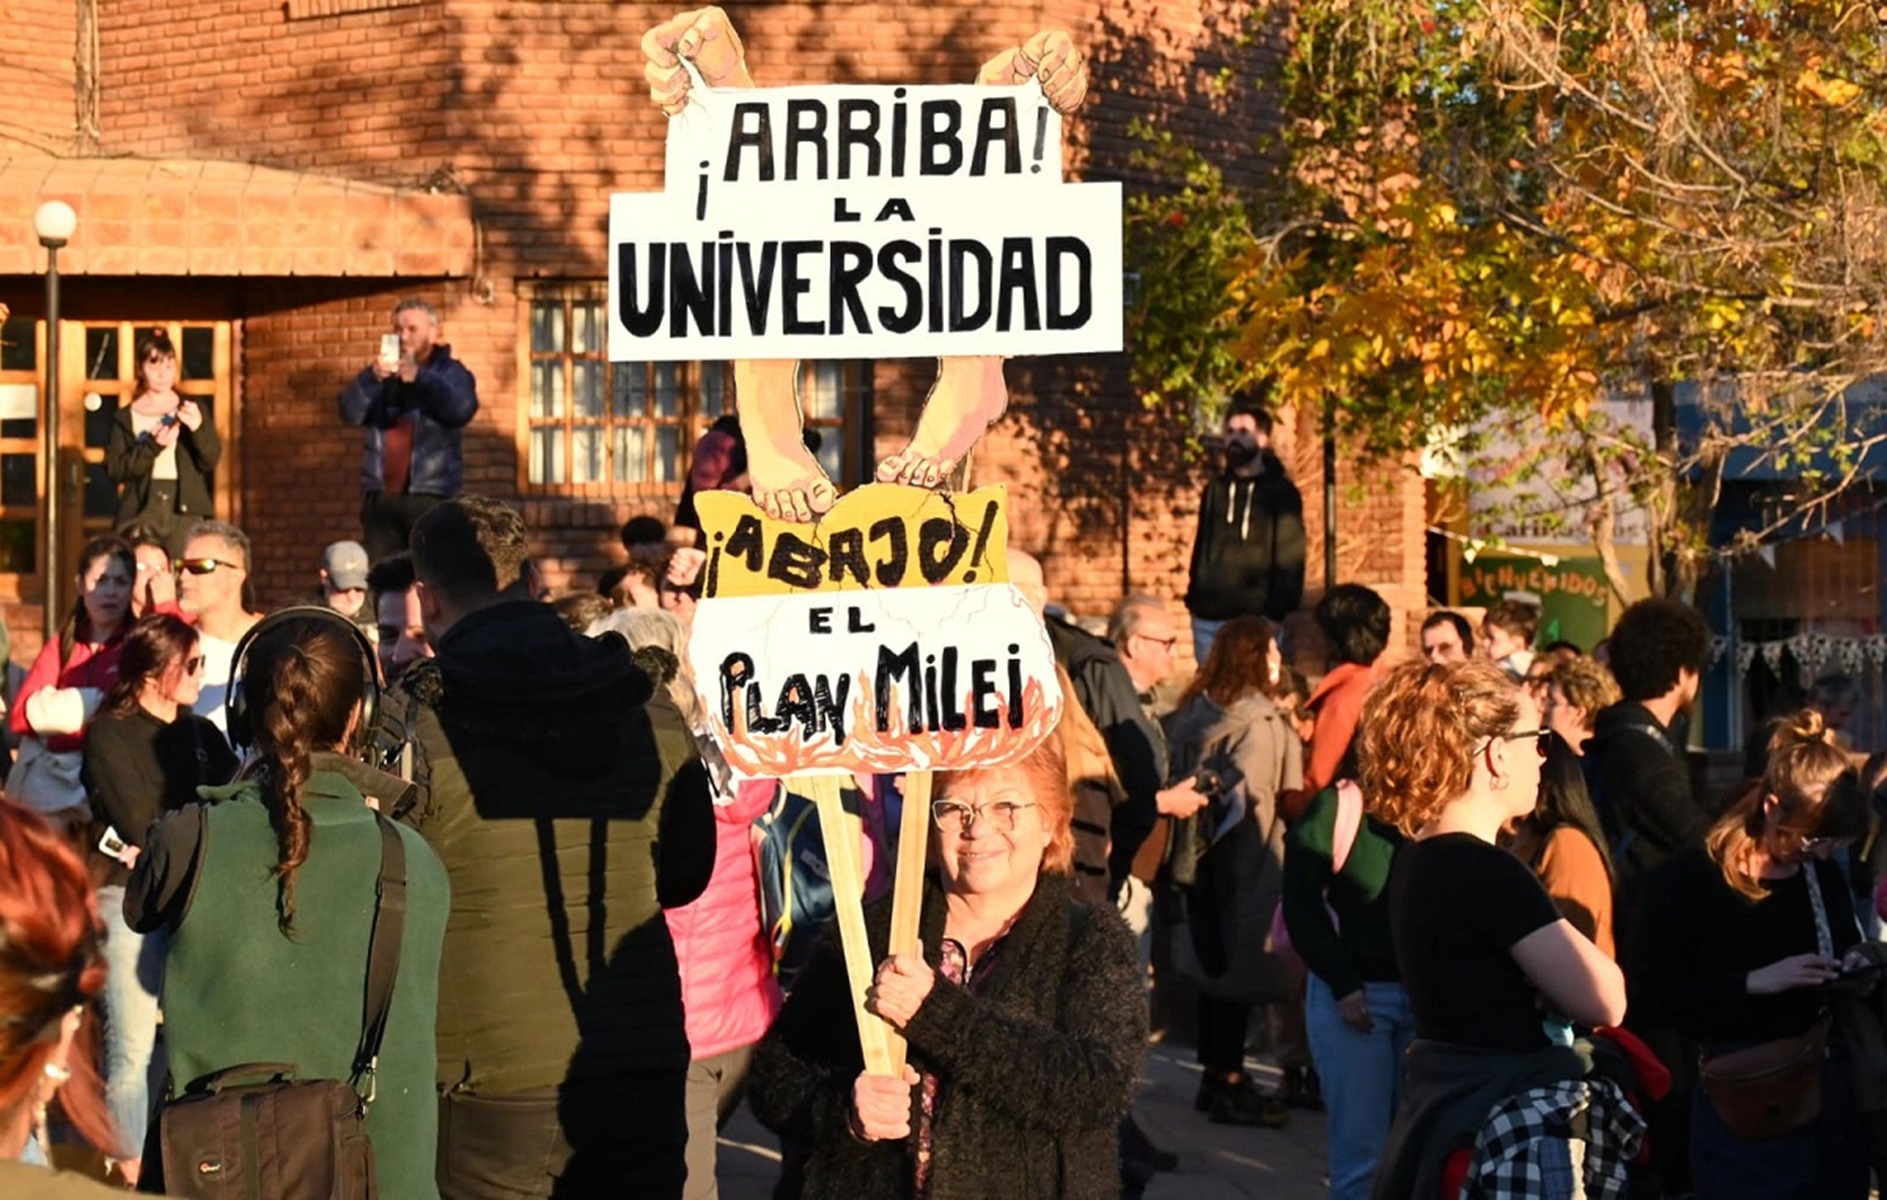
1419, 732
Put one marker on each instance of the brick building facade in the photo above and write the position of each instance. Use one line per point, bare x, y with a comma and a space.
268, 177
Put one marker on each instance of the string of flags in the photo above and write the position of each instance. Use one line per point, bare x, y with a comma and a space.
1474, 547
1813, 652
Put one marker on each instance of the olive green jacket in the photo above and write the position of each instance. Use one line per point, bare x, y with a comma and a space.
550, 776
238, 990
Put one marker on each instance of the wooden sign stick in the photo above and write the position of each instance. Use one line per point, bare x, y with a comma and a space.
841, 831
907, 888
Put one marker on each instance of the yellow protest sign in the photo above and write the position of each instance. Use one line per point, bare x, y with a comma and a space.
885, 637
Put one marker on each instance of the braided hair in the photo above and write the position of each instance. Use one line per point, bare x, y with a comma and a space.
303, 680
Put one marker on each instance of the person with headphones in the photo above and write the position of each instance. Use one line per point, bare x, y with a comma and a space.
267, 890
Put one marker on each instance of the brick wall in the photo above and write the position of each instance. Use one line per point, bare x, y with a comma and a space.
38, 75
538, 112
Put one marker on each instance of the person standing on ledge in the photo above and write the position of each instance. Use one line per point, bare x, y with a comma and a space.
413, 406
1248, 556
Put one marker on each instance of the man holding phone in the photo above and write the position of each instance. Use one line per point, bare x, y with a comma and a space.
412, 401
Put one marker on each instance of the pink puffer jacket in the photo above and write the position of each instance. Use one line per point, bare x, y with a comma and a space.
727, 983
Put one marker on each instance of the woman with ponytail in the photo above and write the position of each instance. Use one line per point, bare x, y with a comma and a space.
267, 891
52, 964
146, 755
1744, 942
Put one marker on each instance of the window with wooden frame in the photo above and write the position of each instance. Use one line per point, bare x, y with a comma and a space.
595, 428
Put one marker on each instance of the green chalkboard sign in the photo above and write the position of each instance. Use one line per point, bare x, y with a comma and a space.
1572, 593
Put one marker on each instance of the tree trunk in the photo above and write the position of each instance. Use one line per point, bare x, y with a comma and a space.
1662, 516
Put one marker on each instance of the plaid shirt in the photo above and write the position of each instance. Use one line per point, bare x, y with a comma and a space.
1571, 1141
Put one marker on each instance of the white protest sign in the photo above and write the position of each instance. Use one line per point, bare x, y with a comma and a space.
845, 221
884, 638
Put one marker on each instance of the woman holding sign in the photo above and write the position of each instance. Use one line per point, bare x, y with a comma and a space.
1025, 1017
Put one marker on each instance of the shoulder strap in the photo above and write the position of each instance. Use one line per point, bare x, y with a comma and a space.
1824, 936
383, 955
1349, 821
1652, 732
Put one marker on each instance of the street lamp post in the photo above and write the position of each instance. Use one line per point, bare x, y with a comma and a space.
54, 223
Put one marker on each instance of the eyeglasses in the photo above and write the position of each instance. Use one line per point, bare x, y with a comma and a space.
1001, 814
193, 664
203, 566
1168, 642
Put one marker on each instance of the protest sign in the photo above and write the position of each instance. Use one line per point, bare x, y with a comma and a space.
845, 221
884, 638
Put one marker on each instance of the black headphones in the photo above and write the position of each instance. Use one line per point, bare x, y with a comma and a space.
236, 705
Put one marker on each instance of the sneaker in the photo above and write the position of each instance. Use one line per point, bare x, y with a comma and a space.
1243, 1104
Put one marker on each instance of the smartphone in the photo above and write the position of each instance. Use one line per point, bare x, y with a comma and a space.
111, 845
390, 350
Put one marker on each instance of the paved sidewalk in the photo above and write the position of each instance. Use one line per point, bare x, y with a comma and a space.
1216, 1162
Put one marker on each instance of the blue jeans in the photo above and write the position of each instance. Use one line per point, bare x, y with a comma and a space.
134, 969
1203, 633
1362, 1078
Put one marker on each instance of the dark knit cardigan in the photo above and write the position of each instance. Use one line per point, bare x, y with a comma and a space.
1036, 1068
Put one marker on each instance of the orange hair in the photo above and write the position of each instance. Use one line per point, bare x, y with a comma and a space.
51, 961
1419, 732
1043, 774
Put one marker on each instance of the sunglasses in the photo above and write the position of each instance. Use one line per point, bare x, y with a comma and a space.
193, 664
203, 566
1542, 738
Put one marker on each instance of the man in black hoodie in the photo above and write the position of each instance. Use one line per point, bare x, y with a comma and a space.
1635, 759
562, 791
1248, 556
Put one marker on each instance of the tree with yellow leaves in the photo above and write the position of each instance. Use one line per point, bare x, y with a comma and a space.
1500, 212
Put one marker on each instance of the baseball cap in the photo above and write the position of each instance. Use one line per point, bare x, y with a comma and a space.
346, 565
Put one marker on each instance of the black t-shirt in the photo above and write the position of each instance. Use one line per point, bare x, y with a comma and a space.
137, 768
1457, 906
1689, 967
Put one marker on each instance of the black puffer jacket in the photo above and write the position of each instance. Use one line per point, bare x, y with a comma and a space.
1036, 1067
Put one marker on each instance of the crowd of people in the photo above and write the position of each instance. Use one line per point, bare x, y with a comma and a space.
456, 846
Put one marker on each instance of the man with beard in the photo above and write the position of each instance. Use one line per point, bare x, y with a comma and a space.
1248, 556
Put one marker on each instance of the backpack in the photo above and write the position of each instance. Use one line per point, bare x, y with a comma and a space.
394, 745
796, 901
